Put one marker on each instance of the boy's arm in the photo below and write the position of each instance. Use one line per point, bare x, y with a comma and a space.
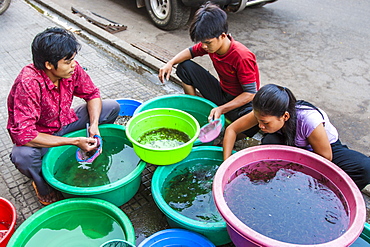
165, 71
240, 100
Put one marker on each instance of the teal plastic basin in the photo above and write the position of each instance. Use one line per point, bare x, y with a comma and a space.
74, 222
198, 107
216, 232
117, 192
364, 239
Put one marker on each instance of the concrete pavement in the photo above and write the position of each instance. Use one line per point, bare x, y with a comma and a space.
117, 75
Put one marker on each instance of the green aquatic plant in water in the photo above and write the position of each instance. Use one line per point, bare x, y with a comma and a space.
189, 191
164, 138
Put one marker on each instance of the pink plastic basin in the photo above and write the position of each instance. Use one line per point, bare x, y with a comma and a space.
8, 218
244, 236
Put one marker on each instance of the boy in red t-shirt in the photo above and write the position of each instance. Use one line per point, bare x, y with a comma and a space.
234, 63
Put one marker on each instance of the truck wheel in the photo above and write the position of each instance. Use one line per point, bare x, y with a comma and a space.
168, 14
4, 5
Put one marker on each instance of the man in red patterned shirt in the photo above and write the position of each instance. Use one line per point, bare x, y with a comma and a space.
234, 63
39, 106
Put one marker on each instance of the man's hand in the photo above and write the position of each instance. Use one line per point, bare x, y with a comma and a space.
87, 144
94, 130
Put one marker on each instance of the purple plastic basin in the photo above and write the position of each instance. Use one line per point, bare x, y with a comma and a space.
244, 236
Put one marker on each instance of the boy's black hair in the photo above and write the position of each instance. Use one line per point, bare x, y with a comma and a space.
209, 21
52, 45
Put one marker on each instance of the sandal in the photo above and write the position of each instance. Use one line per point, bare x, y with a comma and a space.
54, 196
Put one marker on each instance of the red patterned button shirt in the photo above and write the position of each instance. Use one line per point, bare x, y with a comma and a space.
36, 105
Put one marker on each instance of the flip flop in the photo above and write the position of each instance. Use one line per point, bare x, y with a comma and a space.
45, 203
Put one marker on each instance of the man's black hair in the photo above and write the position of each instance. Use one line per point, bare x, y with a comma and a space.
52, 45
209, 22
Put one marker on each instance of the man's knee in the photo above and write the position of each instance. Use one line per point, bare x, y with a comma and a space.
24, 158
110, 110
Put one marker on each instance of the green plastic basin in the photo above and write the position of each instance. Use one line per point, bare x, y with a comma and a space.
198, 107
117, 192
216, 232
74, 222
155, 119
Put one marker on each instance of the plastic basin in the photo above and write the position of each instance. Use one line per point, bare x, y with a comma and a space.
127, 106
242, 235
216, 232
176, 237
198, 107
117, 192
8, 219
155, 119
74, 222
117, 243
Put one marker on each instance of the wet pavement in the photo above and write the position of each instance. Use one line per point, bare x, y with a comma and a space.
116, 74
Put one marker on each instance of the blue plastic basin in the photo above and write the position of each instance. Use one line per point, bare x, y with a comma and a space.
176, 238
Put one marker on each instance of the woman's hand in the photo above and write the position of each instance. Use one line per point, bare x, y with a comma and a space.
241, 124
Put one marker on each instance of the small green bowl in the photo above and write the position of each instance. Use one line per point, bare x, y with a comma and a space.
157, 118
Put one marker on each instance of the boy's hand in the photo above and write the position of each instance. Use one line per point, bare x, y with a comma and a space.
165, 72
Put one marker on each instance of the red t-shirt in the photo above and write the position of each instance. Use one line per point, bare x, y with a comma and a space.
35, 105
238, 66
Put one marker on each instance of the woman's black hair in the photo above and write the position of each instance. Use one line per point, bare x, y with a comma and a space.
274, 100
52, 45
209, 22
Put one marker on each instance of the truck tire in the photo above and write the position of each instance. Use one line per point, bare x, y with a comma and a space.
4, 5
168, 14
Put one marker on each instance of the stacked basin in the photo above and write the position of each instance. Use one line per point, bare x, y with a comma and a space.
198, 107
166, 119
214, 231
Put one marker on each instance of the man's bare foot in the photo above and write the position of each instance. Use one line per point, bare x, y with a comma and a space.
48, 199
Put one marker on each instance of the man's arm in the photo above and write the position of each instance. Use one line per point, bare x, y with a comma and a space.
43, 140
94, 109
165, 71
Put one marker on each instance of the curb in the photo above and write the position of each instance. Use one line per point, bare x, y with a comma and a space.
108, 38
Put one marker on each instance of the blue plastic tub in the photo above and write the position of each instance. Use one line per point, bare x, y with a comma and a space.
128, 106
175, 238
